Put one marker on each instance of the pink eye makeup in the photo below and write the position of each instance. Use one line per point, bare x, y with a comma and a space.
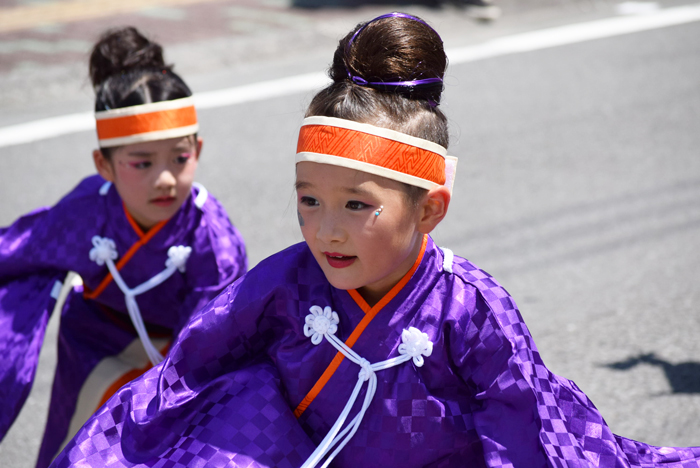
139, 164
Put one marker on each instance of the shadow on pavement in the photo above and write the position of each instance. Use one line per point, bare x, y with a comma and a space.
683, 377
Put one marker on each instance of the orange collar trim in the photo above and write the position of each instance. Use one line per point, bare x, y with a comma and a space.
146, 122
370, 313
376, 150
134, 225
143, 240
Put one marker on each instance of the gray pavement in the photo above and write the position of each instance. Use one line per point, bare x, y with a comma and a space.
578, 186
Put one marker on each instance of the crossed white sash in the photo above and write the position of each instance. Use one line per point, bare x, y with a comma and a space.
323, 323
104, 251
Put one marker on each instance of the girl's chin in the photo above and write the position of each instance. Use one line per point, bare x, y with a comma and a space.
345, 284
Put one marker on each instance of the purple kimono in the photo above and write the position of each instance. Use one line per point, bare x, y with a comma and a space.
39, 249
246, 365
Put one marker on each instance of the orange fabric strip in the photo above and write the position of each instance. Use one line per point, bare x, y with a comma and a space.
372, 149
143, 240
359, 300
134, 225
370, 313
129, 125
126, 378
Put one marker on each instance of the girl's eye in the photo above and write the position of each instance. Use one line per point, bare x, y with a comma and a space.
356, 205
183, 158
140, 164
308, 201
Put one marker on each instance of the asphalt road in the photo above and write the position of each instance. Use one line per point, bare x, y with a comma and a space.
578, 188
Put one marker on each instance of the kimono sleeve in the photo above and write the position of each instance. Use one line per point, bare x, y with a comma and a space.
56, 238
215, 399
527, 416
30, 268
503, 405
36, 252
20, 254
25, 307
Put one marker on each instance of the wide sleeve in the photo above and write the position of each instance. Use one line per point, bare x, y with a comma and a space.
25, 307
56, 238
215, 401
36, 253
503, 405
28, 276
527, 416
21, 249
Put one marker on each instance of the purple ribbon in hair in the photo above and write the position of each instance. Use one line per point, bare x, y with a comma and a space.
408, 85
393, 14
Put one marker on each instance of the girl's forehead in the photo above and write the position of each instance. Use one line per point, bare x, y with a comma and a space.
158, 145
340, 178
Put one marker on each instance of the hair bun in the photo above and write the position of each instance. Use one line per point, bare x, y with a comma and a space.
122, 50
391, 49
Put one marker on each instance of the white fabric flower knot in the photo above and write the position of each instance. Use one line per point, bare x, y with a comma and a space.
416, 344
366, 371
319, 322
177, 257
103, 249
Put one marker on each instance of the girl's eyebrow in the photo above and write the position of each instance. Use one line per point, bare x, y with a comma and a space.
180, 149
303, 185
140, 154
356, 191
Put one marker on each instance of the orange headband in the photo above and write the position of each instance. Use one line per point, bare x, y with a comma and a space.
379, 151
146, 122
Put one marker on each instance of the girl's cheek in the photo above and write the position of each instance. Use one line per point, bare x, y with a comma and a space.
130, 174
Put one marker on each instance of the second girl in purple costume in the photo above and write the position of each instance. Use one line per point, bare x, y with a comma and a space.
150, 247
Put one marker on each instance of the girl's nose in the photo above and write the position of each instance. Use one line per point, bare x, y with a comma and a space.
329, 229
166, 179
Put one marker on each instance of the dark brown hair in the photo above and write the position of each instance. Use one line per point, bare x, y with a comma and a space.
388, 50
127, 69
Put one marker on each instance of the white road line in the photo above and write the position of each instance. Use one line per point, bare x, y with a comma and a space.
573, 33
525, 42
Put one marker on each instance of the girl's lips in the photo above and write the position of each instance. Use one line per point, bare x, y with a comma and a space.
163, 201
337, 260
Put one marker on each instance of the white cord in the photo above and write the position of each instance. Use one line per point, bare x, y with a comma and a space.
323, 323
105, 252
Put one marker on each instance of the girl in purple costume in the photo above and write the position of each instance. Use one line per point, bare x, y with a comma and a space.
366, 345
150, 247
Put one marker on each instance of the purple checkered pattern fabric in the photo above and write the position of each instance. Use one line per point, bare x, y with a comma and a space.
261, 430
41, 247
483, 398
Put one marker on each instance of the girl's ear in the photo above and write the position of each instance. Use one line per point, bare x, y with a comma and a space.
103, 165
200, 142
433, 209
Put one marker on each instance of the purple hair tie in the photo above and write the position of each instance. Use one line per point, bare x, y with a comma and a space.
358, 80
405, 86
393, 14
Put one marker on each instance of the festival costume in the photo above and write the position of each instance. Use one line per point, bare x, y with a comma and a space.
99, 349
482, 397
441, 372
